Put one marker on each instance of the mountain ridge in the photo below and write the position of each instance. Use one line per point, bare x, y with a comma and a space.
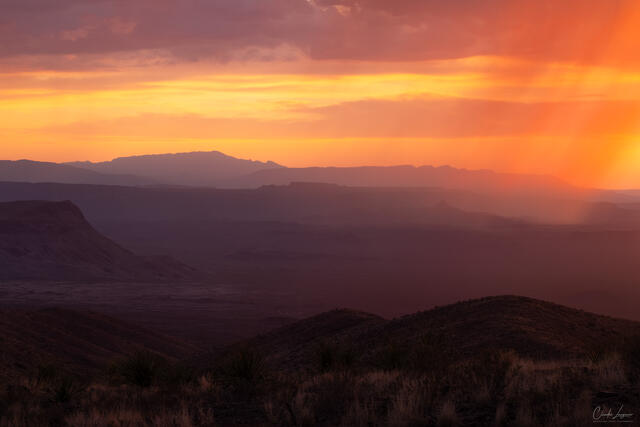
197, 168
47, 172
406, 176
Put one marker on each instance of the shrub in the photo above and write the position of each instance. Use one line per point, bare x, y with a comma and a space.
141, 369
597, 353
430, 354
244, 364
331, 356
46, 374
64, 390
392, 357
448, 416
631, 355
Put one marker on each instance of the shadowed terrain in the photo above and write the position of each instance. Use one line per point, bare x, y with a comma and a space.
80, 343
341, 246
489, 361
530, 327
276, 254
53, 241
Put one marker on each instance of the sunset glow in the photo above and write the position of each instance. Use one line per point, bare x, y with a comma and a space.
468, 86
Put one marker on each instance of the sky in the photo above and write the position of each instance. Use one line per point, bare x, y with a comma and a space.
528, 86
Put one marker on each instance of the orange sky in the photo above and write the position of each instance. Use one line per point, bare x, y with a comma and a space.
523, 86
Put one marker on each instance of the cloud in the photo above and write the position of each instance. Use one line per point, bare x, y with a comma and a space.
75, 35
575, 140
421, 117
121, 27
592, 31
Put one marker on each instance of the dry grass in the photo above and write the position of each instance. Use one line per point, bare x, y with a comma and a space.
500, 390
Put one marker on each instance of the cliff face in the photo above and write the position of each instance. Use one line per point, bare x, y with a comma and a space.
53, 241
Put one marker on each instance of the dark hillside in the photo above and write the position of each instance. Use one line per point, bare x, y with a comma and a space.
530, 327
79, 342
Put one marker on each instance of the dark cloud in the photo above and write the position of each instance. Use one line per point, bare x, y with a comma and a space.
375, 30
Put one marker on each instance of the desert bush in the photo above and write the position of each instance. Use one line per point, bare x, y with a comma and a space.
244, 364
176, 374
500, 417
144, 369
597, 353
290, 408
448, 417
392, 357
525, 416
493, 367
141, 369
332, 394
609, 371
631, 354
332, 356
430, 354
409, 405
324, 399
46, 373
64, 390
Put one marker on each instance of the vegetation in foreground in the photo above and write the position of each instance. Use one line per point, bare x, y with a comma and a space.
415, 388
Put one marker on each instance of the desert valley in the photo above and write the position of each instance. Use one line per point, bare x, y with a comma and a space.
354, 213
217, 302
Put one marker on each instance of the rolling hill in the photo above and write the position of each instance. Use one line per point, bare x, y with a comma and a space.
477, 362
79, 342
530, 327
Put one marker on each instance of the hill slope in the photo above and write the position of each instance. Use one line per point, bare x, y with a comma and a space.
53, 241
78, 341
530, 327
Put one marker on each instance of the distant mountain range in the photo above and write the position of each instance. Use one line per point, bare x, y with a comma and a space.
31, 171
533, 197
299, 202
404, 176
195, 169
215, 169
324, 204
53, 241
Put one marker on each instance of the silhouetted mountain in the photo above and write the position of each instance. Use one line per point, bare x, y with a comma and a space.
197, 169
30, 171
406, 176
53, 241
79, 342
530, 327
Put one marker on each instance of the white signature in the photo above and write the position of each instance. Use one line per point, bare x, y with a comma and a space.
600, 416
